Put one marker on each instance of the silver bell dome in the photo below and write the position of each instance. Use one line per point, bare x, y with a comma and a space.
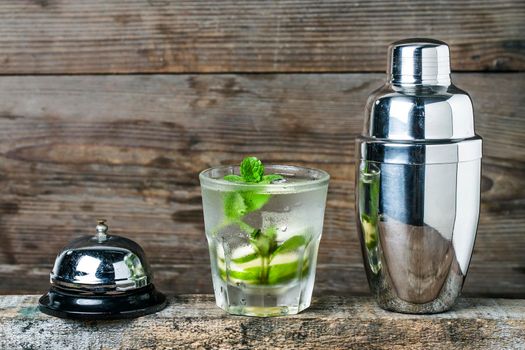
101, 263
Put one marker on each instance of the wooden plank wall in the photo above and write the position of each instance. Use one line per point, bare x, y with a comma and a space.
78, 142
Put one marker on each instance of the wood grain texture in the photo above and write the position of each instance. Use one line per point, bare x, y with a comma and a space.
193, 321
138, 36
129, 148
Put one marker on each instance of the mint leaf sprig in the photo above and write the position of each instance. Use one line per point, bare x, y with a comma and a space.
252, 172
238, 204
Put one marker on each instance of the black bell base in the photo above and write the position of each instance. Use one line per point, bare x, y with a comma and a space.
66, 304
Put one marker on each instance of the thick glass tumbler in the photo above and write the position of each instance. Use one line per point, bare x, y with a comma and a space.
263, 239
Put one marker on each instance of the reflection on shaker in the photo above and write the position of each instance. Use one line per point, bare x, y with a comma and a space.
369, 211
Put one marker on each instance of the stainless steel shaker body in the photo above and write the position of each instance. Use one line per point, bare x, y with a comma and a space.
418, 182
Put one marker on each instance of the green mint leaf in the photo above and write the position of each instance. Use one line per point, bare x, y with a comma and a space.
268, 179
233, 178
290, 245
254, 201
234, 206
245, 227
238, 204
264, 242
254, 235
271, 235
252, 169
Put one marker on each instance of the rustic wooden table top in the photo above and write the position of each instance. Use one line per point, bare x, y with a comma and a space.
193, 321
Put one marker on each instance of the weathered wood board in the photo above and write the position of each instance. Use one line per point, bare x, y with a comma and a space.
138, 36
128, 148
193, 321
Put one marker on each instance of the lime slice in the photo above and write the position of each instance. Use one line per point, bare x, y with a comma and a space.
220, 252
244, 254
284, 259
284, 272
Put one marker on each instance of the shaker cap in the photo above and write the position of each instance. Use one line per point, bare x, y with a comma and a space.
419, 116
419, 61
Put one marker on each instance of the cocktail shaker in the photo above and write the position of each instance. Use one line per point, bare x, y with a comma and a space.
418, 177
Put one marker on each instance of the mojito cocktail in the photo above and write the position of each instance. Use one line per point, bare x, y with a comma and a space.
263, 228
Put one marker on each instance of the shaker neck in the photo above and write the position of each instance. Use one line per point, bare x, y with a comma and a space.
419, 62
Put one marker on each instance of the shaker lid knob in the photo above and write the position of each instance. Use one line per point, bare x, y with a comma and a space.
419, 61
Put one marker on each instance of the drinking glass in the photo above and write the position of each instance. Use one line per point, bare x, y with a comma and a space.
263, 238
